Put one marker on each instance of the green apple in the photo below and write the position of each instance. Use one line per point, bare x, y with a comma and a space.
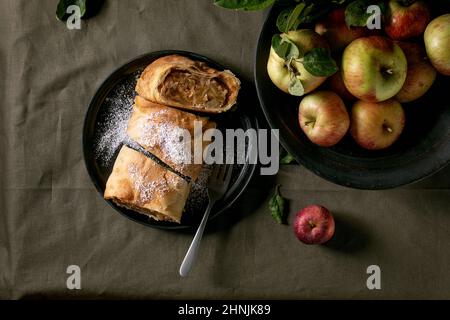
373, 68
420, 76
323, 118
376, 126
305, 40
437, 43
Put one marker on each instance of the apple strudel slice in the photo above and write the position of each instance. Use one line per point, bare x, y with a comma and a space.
169, 134
139, 183
183, 83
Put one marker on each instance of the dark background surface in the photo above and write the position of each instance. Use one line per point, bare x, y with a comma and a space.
51, 216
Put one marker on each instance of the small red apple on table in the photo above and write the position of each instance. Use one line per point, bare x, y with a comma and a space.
406, 19
314, 225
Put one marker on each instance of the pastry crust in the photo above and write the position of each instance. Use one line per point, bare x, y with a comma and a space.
180, 82
140, 184
169, 134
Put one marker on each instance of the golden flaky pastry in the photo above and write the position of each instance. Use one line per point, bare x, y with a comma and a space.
169, 134
180, 82
140, 184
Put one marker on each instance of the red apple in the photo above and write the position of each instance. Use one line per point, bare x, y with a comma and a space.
406, 19
373, 68
337, 85
336, 31
437, 43
421, 73
323, 118
314, 225
377, 126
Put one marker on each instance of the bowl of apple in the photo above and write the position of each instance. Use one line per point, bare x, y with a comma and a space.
359, 89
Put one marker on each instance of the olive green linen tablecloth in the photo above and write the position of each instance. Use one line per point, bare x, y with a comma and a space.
52, 217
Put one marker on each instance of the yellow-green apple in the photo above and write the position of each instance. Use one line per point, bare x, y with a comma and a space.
336, 31
373, 68
305, 40
314, 225
336, 84
323, 118
377, 126
406, 19
437, 43
421, 74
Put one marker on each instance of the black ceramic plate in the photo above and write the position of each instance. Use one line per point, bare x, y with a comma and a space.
117, 92
423, 148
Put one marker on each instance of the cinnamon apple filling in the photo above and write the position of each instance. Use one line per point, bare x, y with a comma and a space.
194, 89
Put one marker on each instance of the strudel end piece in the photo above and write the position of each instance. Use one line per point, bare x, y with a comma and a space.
139, 183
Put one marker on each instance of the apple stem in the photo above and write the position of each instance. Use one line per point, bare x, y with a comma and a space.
307, 123
387, 128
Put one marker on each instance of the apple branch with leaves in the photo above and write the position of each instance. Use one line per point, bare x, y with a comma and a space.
317, 62
307, 11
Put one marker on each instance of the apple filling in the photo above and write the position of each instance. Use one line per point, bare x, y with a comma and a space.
195, 89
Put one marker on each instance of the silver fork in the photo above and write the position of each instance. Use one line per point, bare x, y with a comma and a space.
217, 186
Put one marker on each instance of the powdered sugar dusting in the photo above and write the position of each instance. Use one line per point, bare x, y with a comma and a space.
147, 190
174, 141
113, 120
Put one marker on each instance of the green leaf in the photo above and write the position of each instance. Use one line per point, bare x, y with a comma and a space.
296, 87
284, 47
282, 19
319, 63
293, 52
280, 47
277, 206
356, 12
61, 9
314, 11
287, 159
244, 4
293, 19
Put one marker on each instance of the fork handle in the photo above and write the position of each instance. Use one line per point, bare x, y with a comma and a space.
191, 254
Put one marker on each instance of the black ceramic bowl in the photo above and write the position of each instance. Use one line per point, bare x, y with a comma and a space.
99, 110
423, 148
